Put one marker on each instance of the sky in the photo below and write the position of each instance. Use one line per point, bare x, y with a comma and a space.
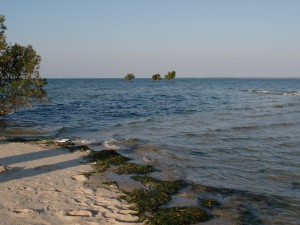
196, 38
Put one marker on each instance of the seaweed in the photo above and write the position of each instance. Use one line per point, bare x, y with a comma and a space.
109, 183
157, 193
209, 203
108, 156
132, 168
179, 216
100, 166
170, 187
88, 174
148, 200
82, 148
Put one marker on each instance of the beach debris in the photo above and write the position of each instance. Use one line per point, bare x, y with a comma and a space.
80, 178
48, 168
85, 213
5, 169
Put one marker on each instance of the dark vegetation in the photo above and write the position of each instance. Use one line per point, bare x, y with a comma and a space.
156, 77
170, 75
132, 168
129, 76
151, 200
20, 83
179, 216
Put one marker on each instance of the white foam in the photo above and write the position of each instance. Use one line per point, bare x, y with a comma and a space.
111, 144
2, 138
63, 140
292, 93
260, 91
85, 142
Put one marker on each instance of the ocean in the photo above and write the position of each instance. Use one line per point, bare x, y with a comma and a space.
237, 137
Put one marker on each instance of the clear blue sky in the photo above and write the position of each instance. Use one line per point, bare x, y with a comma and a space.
197, 38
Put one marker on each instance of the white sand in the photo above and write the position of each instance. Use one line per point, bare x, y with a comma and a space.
36, 187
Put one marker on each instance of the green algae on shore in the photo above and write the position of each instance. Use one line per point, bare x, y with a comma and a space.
150, 201
132, 168
179, 216
108, 156
102, 160
170, 187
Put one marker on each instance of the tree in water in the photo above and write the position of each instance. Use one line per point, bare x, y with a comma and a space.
170, 75
156, 77
129, 76
20, 83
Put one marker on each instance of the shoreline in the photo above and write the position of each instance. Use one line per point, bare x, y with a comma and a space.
43, 184
53, 182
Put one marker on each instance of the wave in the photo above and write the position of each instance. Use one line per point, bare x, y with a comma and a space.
256, 91
280, 106
255, 127
111, 144
114, 144
3, 138
291, 93
84, 141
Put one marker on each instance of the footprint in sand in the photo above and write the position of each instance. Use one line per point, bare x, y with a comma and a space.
84, 213
22, 211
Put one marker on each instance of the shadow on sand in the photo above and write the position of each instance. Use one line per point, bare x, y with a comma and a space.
25, 169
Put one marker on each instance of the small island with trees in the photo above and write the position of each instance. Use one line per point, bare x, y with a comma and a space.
169, 76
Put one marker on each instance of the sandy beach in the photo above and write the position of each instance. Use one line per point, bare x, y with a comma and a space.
42, 184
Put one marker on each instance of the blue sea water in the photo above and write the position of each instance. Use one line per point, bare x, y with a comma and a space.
233, 134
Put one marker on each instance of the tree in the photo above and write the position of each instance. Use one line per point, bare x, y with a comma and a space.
170, 75
129, 76
156, 77
2, 33
20, 83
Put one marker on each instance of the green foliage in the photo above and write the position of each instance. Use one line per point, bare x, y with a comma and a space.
170, 75
20, 82
2, 33
179, 216
156, 77
129, 76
